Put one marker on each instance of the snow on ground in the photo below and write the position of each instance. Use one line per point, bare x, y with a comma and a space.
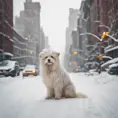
25, 98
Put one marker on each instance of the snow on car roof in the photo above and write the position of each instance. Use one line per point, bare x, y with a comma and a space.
110, 62
7, 64
30, 65
113, 65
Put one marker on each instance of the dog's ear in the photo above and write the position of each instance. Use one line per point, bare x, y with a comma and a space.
57, 53
40, 54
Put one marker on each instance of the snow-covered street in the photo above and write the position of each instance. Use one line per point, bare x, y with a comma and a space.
25, 98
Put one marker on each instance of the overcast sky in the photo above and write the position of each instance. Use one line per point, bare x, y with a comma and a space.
54, 18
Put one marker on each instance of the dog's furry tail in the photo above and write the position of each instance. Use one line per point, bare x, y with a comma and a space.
81, 95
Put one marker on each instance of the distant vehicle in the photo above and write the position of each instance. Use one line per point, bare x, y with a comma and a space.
22, 68
30, 70
9, 68
77, 69
113, 69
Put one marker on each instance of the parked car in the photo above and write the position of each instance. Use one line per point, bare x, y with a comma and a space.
30, 70
9, 68
22, 68
113, 69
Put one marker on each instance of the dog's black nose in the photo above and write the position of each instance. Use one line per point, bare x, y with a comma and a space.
48, 60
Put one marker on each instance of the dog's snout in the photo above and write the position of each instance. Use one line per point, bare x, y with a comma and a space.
48, 60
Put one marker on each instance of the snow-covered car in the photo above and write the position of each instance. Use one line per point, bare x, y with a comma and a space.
105, 65
30, 70
113, 69
9, 68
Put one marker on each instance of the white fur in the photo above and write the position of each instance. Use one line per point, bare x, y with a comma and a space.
56, 80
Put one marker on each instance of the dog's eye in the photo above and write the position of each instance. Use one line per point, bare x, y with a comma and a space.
46, 57
52, 57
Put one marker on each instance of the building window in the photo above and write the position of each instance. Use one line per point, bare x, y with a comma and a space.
98, 10
98, 29
97, 2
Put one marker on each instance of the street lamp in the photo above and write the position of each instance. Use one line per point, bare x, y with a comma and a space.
105, 34
75, 53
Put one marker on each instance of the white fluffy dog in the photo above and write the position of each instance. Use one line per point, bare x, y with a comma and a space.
56, 80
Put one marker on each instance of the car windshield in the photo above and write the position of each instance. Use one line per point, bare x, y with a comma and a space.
29, 67
3, 63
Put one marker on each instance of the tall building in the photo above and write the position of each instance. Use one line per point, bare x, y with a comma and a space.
74, 39
32, 28
46, 42
81, 28
73, 15
101, 16
42, 40
28, 26
92, 14
104, 8
96, 15
19, 23
72, 24
32, 19
6, 25
20, 48
112, 49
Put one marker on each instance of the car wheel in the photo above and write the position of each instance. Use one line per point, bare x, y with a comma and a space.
6, 75
14, 75
111, 73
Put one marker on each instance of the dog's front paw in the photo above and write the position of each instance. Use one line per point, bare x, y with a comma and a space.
57, 98
49, 97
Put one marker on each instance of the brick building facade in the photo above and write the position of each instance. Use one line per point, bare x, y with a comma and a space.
6, 24
112, 49
101, 16
96, 13
20, 48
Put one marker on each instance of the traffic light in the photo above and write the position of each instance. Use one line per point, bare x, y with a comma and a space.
74, 62
107, 33
104, 34
75, 53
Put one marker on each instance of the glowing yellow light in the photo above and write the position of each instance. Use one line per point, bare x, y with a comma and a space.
33, 71
75, 62
104, 34
75, 53
107, 33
